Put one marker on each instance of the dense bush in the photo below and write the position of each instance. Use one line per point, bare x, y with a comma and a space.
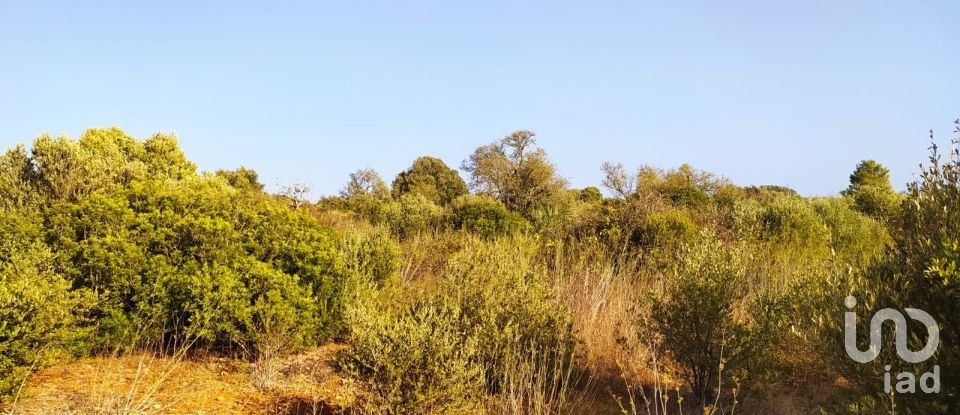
416, 361
667, 230
712, 324
872, 193
485, 216
413, 214
430, 178
920, 270
443, 353
39, 315
164, 252
855, 239
372, 255
502, 291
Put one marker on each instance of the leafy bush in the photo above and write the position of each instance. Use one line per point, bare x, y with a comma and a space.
855, 239
417, 361
372, 255
430, 178
485, 216
921, 270
505, 300
38, 315
871, 192
667, 230
712, 325
165, 252
492, 310
413, 214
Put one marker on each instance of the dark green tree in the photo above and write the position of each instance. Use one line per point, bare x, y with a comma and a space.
872, 192
431, 178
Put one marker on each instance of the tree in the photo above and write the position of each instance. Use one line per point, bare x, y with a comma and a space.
297, 193
515, 171
431, 178
365, 182
242, 178
617, 180
589, 194
872, 192
922, 271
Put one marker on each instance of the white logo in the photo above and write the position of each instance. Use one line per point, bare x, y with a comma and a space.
930, 382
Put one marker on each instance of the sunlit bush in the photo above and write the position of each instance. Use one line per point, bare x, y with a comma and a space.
485, 216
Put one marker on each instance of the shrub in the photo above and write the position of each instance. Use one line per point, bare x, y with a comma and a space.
491, 313
505, 300
430, 178
417, 361
39, 315
712, 325
855, 239
486, 217
413, 214
198, 258
372, 255
921, 270
666, 230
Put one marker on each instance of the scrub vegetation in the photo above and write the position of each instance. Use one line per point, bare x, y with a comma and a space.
499, 291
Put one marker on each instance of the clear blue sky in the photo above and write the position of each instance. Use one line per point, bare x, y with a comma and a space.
764, 92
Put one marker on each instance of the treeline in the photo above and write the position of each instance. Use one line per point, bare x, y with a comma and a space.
509, 291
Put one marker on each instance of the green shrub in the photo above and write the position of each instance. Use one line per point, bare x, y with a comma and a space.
39, 315
198, 257
855, 239
666, 230
921, 270
486, 217
712, 324
417, 361
413, 214
491, 312
430, 178
504, 299
372, 255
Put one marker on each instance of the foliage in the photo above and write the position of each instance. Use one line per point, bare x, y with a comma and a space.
667, 230
710, 321
372, 255
242, 179
159, 252
441, 353
855, 239
871, 191
919, 270
413, 214
415, 362
430, 178
516, 172
504, 299
38, 314
365, 182
485, 216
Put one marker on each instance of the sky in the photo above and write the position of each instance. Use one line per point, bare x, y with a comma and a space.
790, 93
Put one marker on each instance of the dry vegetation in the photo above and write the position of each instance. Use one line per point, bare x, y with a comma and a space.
683, 293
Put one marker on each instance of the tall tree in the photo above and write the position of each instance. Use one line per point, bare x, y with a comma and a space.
431, 178
872, 192
618, 180
365, 182
515, 171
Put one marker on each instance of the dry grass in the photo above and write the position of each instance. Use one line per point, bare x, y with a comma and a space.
147, 384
